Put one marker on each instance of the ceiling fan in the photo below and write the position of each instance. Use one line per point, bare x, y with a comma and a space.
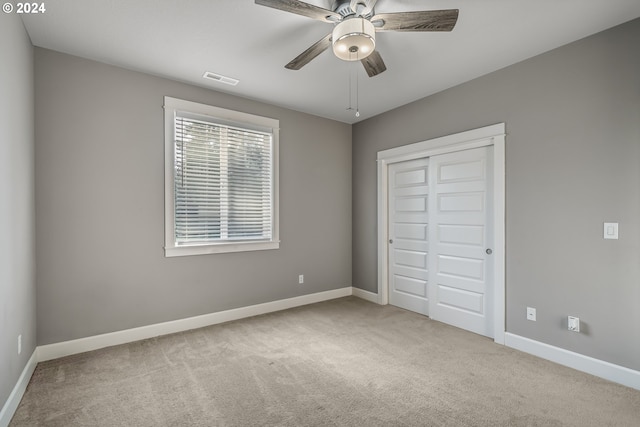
355, 24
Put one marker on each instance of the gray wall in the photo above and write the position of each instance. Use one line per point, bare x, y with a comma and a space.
100, 211
573, 162
17, 252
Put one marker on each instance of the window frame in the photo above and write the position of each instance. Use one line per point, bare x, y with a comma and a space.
172, 108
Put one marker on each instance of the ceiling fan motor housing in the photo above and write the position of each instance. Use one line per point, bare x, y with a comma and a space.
354, 39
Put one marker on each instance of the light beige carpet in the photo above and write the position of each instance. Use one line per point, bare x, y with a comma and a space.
345, 362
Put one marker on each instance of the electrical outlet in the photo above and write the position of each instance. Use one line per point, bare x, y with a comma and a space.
301, 279
573, 324
531, 314
19, 344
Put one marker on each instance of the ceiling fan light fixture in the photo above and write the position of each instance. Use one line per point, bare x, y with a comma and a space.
354, 39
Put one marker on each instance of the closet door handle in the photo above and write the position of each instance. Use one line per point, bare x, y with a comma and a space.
489, 251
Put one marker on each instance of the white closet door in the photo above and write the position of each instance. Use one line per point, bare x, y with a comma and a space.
408, 235
460, 276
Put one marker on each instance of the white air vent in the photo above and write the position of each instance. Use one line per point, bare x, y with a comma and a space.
221, 79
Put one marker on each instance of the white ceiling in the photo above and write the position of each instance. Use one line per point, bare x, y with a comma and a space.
181, 39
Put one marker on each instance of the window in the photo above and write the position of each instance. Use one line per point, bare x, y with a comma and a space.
221, 180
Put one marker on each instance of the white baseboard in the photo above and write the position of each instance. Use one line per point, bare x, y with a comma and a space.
15, 397
580, 362
67, 348
365, 295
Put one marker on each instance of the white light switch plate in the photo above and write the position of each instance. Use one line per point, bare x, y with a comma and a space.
611, 230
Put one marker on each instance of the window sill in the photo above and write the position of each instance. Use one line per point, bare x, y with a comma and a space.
219, 248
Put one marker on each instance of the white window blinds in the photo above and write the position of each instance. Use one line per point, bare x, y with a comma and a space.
222, 182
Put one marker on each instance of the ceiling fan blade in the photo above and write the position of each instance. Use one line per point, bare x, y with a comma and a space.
302, 8
373, 64
305, 57
428, 20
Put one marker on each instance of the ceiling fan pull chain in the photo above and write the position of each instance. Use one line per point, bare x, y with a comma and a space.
350, 90
357, 95
353, 74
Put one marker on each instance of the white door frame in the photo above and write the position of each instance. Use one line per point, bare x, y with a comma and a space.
490, 135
